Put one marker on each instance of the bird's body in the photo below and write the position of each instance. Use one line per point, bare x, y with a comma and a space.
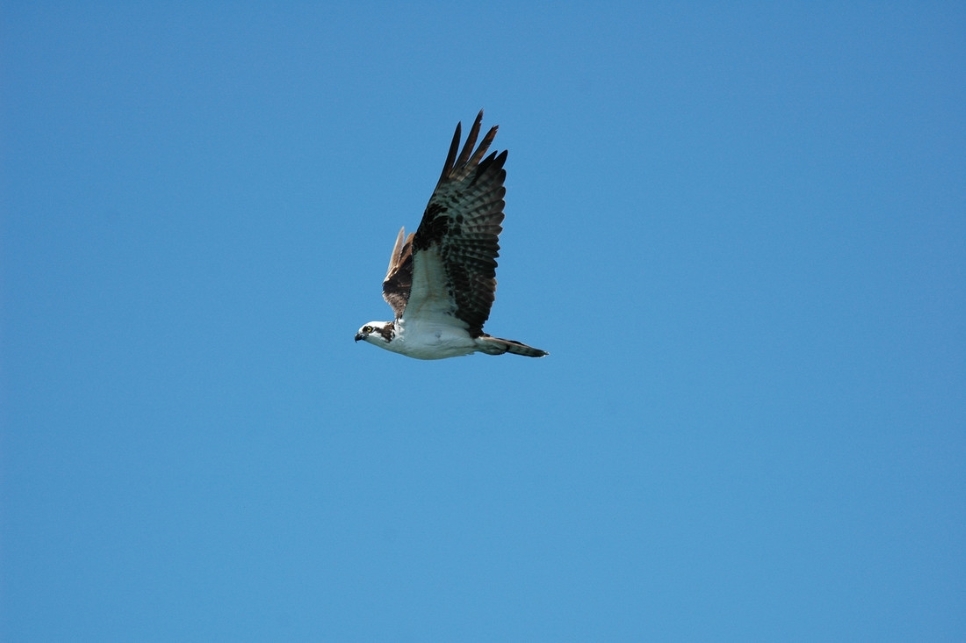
441, 280
429, 340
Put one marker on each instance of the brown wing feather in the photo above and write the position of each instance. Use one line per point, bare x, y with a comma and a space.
399, 276
462, 224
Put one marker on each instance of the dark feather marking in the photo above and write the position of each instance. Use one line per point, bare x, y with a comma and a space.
389, 332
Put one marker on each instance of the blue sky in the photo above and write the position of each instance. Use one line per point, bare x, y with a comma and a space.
740, 232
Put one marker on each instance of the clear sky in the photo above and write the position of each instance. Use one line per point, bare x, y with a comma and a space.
740, 232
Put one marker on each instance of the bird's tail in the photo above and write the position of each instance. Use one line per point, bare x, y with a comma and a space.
497, 346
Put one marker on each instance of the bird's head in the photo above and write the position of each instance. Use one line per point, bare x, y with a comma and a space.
378, 333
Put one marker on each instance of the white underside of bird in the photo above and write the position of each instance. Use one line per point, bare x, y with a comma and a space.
427, 340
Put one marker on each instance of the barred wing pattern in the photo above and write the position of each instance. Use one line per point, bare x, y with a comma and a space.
454, 250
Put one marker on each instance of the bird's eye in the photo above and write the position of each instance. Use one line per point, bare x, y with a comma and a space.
367, 329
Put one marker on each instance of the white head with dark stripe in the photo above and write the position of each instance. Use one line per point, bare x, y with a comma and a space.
378, 333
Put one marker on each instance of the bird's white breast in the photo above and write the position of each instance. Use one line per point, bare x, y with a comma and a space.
431, 340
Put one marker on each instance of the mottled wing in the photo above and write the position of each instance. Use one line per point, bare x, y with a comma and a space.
399, 276
455, 248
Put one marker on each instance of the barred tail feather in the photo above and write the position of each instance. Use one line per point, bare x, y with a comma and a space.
497, 346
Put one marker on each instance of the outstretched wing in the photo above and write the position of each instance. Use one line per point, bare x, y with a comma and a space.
454, 250
399, 277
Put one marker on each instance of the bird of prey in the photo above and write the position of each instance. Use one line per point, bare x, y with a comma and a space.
441, 280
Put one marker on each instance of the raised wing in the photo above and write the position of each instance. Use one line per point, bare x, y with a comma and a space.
454, 250
399, 276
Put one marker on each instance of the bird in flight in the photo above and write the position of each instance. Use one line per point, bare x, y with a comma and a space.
441, 280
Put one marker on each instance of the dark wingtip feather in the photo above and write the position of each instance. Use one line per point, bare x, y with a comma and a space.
470, 141
493, 159
453, 162
451, 157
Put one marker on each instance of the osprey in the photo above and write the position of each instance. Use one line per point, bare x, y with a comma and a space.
441, 280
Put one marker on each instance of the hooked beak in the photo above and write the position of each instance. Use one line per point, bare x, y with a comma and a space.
360, 336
